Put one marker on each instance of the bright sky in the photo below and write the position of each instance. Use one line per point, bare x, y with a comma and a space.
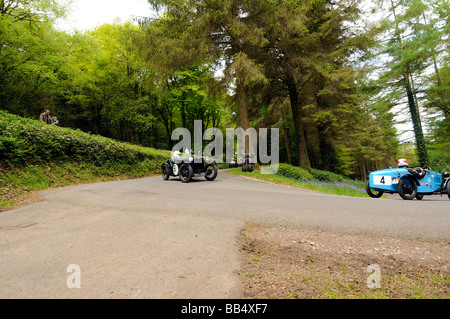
88, 14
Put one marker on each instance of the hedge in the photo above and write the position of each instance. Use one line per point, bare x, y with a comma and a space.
25, 141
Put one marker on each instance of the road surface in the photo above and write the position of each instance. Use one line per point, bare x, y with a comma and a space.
149, 238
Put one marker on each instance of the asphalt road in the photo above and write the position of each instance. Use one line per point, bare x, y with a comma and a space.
149, 238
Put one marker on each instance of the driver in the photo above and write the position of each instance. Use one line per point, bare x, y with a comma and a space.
418, 173
402, 163
176, 156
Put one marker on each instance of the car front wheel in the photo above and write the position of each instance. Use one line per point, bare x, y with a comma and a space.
186, 173
211, 172
165, 172
374, 193
407, 189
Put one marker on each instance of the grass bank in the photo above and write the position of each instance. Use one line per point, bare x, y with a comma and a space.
316, 180
36, 156
18, 183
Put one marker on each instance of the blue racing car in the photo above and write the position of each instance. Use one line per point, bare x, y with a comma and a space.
410, 183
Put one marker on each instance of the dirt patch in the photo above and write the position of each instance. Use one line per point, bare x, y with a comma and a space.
19, 201
292, 263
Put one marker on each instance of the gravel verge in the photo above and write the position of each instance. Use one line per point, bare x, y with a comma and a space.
280, 262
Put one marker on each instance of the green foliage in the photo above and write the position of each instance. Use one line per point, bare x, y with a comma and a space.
440, 156
24, 141
414, 47
303, 66
326, 176
294, 172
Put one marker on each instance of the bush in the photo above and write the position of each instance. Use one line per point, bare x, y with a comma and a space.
294, 172
326, 176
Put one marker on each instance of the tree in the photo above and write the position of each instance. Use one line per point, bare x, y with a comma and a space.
222, 31
405, 59
30, 56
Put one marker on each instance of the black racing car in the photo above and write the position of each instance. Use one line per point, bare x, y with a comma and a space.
186, 168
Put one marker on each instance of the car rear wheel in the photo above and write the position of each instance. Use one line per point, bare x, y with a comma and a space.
186, 173
419, 196
374, 193
407, 188
165, 172
211, 172
448, 189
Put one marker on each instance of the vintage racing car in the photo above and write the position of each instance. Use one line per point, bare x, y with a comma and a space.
247, 166
410, 183
186, 167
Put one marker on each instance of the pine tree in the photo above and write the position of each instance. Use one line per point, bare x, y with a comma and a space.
406, 59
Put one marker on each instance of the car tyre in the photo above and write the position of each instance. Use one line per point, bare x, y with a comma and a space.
186, 173
211, 172
374, 193
407, 188
419, 196
165, 171
448, 189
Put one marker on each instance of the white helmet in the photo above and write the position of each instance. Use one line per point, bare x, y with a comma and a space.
176, 154
402, 162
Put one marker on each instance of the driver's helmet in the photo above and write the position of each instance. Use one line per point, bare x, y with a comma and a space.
176, 154
402, 162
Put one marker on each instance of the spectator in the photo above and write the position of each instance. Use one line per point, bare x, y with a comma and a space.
55, 120
45, 117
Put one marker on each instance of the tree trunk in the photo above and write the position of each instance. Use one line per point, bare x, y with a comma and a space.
288, 149
169, 137
299, 130
364, 171
243, 113
182, 110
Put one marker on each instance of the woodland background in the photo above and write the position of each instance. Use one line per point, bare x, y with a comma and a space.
336, 77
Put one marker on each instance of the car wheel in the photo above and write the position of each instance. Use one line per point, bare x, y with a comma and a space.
186, 173
419, 196
374, 193
407, 188
211, 172
448, 189
165, 172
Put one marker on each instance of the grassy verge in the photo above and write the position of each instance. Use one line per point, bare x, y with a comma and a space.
36, 156
17, 184
343, 187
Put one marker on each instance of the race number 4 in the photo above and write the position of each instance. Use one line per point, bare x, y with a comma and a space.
382, 180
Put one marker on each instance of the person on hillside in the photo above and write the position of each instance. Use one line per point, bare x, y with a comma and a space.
45, 117
55, 121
